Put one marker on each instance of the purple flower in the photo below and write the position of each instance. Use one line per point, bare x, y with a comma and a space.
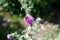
28, 20
9, 36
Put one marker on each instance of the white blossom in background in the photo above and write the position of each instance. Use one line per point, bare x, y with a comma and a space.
38, 19
42, 27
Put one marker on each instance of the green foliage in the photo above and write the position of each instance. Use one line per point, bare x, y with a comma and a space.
41, 8
35, 7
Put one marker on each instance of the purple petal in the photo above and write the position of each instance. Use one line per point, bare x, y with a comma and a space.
9, 36
29, 20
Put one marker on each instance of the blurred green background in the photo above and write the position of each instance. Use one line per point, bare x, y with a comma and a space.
12, 13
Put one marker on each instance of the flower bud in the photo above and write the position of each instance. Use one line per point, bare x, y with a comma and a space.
28, 20
9, 36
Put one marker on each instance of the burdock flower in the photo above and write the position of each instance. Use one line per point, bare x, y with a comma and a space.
28, 20
9, 36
